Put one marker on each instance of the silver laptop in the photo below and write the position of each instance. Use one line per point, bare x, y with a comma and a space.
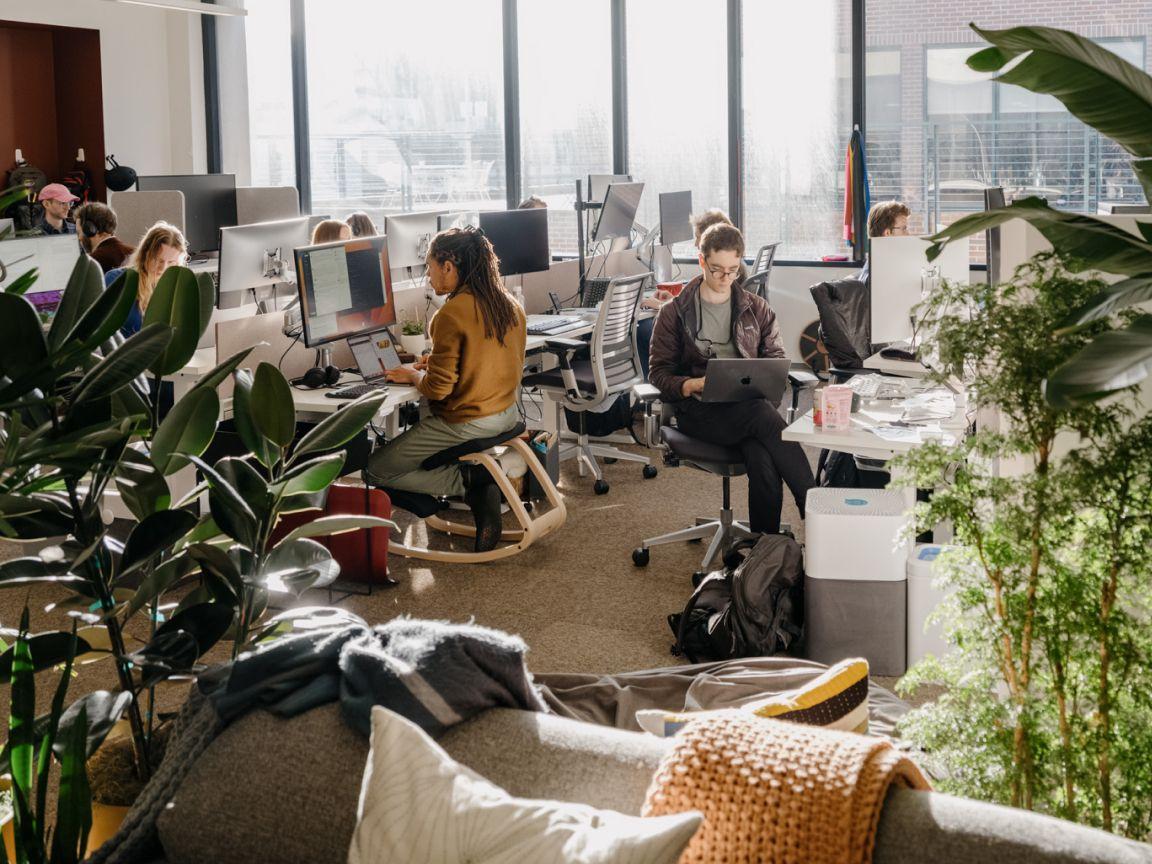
741, 379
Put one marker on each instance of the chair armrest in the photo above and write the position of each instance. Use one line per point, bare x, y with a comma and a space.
564, 349
645, 392
802, 378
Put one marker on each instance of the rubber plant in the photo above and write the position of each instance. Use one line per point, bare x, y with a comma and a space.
77, 418
1115, 98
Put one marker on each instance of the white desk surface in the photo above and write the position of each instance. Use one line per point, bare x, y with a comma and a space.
860, 440
316, 402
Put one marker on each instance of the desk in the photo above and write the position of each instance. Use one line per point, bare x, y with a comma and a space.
906, 368
860, 440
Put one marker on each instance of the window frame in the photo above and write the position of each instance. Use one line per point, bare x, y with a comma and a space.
511, 72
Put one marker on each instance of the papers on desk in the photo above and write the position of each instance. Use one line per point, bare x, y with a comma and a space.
914, 434
936, 404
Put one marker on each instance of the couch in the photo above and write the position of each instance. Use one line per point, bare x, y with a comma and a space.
275, 790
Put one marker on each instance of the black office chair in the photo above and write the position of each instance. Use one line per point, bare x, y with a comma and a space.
429, 507
845, 308
724, 462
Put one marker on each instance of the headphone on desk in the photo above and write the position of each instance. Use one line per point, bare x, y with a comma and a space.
328, 376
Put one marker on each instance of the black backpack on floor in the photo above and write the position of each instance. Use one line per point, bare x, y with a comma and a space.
753, 607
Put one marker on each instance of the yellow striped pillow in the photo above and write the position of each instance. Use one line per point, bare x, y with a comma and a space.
836, 699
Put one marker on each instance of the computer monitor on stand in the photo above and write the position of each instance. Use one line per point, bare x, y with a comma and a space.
901, 274
209, 205
519, 238
345, 290
254, 258
409, 235
463, 219
617, 213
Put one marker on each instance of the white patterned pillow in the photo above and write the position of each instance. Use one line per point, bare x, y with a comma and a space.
417, 804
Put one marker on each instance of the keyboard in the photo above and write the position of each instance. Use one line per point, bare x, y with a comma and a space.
355, 391
550, 324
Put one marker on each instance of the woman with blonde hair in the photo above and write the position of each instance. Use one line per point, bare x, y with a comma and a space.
162, 247
331, 230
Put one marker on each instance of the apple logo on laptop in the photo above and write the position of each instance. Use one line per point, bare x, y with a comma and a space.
746, 380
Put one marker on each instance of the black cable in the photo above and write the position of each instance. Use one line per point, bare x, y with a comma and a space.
280, 362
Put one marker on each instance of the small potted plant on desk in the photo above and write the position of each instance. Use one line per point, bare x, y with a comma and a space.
412, 338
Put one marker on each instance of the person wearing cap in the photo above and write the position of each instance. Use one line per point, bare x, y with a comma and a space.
57, 201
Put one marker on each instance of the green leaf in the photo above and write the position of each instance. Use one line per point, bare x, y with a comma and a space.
45, 651
22, 712
142, 486
50, 736
229, 508
207, 293
328, 525
22, 345
315, 475
1121, 295
23, 282
1111, 362
253, 488
186, 431
85, 286
215, 561
176, 303
74, 807
205, 622
297, 565
1084, 242
272, 407
337, 429
1097, 86
245, 423
102, 320
123, 365
156, 533
23, 572
101, 711
221, 371
167, 654
158, 581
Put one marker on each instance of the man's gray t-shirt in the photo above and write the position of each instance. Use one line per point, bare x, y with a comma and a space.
716, 330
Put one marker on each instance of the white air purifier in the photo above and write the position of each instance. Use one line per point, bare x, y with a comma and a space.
923, 599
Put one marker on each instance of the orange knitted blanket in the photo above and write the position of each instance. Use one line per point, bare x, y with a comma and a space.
778, 792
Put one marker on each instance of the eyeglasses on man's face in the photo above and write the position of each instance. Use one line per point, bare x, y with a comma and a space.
724, 272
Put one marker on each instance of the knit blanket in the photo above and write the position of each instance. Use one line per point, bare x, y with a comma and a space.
434, 673
778, 792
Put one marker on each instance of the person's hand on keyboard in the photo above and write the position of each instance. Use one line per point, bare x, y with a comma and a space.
410, 375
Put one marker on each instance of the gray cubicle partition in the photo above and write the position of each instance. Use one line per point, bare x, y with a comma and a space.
266, 204
136, 212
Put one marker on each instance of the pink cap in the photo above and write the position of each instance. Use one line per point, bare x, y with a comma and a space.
57, 192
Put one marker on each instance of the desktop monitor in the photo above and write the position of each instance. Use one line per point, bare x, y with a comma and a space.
345, 289
675, 217
465, 219
993, 200
409, 235
618, 212
209, 205
598, 185
258, 255
897, 267
520, 238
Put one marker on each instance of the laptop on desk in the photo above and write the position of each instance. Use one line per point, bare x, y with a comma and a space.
741, 379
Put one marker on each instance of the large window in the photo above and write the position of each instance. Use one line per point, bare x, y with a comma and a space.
406, 106
797, 120
957, 131
268, 38
678, 102
565, 104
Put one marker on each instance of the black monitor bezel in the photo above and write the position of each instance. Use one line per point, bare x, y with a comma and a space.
525, 217
151, 186
302, 291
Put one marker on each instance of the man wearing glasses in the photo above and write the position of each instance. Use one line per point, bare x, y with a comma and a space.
886, 219
715, 317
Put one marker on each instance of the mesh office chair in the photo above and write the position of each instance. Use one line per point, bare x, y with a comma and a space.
724, 462
757, 281
584, 381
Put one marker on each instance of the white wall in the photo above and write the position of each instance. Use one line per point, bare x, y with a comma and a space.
152, 79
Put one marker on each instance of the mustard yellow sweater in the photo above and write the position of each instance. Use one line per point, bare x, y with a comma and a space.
470, 375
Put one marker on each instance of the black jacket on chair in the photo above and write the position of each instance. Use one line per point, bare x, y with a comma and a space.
845, 308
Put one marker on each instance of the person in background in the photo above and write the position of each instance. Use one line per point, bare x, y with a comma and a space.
96, 227
57, 201
361, 225
471, 379
532, 202
886, 219
715, 317
162, 247
330, 231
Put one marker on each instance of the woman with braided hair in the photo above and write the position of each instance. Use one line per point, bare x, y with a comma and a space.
470, 379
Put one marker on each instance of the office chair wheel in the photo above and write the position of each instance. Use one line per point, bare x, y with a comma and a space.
610, 460
640, 556
600, 487
650, 471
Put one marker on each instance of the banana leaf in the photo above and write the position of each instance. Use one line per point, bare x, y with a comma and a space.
1111, 362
